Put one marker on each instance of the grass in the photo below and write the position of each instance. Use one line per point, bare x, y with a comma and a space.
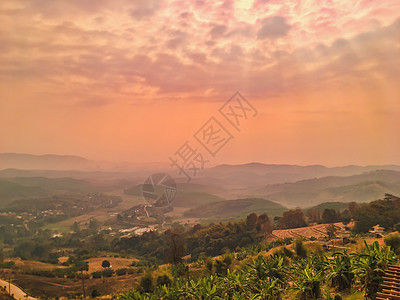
354, 296
60, 226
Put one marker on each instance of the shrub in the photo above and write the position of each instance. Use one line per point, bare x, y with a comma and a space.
146, 283
163, 280
7, 265
95, 293
71, 275
300, 249
393, 240
108, 273
120, 272
96, 274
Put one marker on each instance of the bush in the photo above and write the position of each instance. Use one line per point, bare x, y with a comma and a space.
95, 293
120, 272
96, 274
300, 249
393, 240
146, 283
71, 275
108, 273
163, 280
7, 265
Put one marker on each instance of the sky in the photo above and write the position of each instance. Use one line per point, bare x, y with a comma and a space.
139, 80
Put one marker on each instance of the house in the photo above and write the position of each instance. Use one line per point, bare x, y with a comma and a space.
377, 230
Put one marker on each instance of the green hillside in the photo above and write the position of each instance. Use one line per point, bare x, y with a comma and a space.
188, 195
10, 191
31, 187
236, 207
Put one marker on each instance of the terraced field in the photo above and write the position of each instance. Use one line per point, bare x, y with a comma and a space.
318, 231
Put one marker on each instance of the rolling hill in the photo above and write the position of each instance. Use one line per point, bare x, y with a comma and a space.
365, 187
238, 207
30, 187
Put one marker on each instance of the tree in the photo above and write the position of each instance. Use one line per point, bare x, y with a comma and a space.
353, 207
76, 227
292, 219
264, 224
176, 246
331, 231
120, 218
313, 215
94, 225
82, 266
105, 264
251, 221
329, 215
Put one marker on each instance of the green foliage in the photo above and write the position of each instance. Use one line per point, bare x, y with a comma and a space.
385, 212
340, 271
269, 277
179, 270
222, 265
107, 272
393, 240
120, 272
146, 283
308, 280
163, 280
370, 266
299, 248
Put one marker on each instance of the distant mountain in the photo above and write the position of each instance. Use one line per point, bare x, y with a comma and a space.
253, 174
364, 187
43, 162
238, 207
71, 162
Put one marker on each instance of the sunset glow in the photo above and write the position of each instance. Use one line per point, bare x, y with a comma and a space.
133, 80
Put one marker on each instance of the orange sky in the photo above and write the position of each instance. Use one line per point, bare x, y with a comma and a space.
132, 81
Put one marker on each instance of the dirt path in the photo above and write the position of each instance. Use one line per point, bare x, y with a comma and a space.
18, 293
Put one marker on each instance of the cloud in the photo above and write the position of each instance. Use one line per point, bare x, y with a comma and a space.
144, 8
272, 28
218, 31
